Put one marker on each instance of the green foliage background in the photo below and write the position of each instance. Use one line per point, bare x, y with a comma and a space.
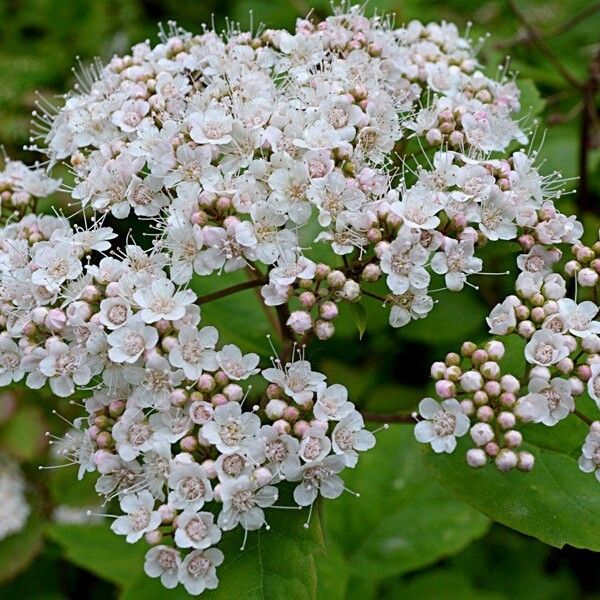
417, 531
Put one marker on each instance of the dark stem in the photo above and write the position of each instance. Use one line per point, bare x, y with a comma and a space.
372, 295
583, 417
389, 418
234, 289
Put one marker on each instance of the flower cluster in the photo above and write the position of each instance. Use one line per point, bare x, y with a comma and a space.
479, 399
14, 508
560, 352
167, 426
246, 149
20, 188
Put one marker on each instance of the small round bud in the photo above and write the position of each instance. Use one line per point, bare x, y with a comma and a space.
274, 391
492, 449
506, 460
453, 373
206, 383
350, 291
167, 513
262, 476
445, 389
492, 389
565, 365
307, 299
324, 329
468, 348
485, 413
490, 370
371, 273
471, 381
189, 443
153, 538
434, 137
508, 400
336, 280
513, 439
209, 468
452, 359
506, 420
584, 372
274, 409
537, 314
587, 277
476, 457
438, 370
509, 383
572, 267
328, 310
522, 312
300, 428
526, 461
322, 271
591, 344
577, 386
479, 357
480, 398
481, 434
299, 321
467, 407
282, 426
495, 350
526, 329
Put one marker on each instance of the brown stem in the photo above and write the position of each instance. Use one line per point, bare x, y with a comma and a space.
537, 39
234, 289
389, 418
372, 295
287, 337
583, 417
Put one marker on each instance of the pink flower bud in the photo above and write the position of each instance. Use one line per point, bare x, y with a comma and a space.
577, 386
509, 383
468, 234
526, 461
527, 242
112, 290
572, 267
485, 413
168, 343
322, 271
307, 299
167, 514
206, 383
537, 314
492, 449
479, 357
55, 320
274, 391
490, 369
513, 439
282, 427
299, 321
476, 457
453, 373
522, 312
480, 398
591, 344
506, 420
452, 359
262, 476
336, 280
374, 236
565, 365
324, 329
178, 397
233, 392
328, 310
445, 389
481, 434
434, 137
90, 293
587, 277
471, 381
153, 538
467, 349
219, 400
492, 389
506, 460
526, 329
438, 370
103, 439
584, 372
291, 413
189, 443
274, 409
467, 407
221, 378
507, 399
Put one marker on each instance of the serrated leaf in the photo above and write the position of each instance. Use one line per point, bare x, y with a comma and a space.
359, 314
555, 502
402, 520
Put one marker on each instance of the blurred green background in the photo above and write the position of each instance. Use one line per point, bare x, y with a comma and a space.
406, 537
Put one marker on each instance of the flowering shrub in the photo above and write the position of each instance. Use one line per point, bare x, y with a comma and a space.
350, 158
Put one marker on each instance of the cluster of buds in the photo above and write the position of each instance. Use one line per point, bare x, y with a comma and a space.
476, 398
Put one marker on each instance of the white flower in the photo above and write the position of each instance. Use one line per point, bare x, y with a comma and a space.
589, 461
196, 530
55, 265
198, 570
114, 312
231, 430
579, 317
280, 450
548, 402
538, 260
66, 366
413, 304
319, 477
164, 562
315, 444
403, 262
350, 437
160, 301
497, 218
442, 425
129, 342
593, 384
546, 348
195, 352
130, 115
297, 380
211, 127
189, 485
10, 361
140, 516
456, 262
14, 508
235, 365
243, 503
502, 319
332, 403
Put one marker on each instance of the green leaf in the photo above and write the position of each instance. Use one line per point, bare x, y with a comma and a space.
18, 550
403, 520
555, 502
98, 550
456, 317
23, 434
359, 314
532, 103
